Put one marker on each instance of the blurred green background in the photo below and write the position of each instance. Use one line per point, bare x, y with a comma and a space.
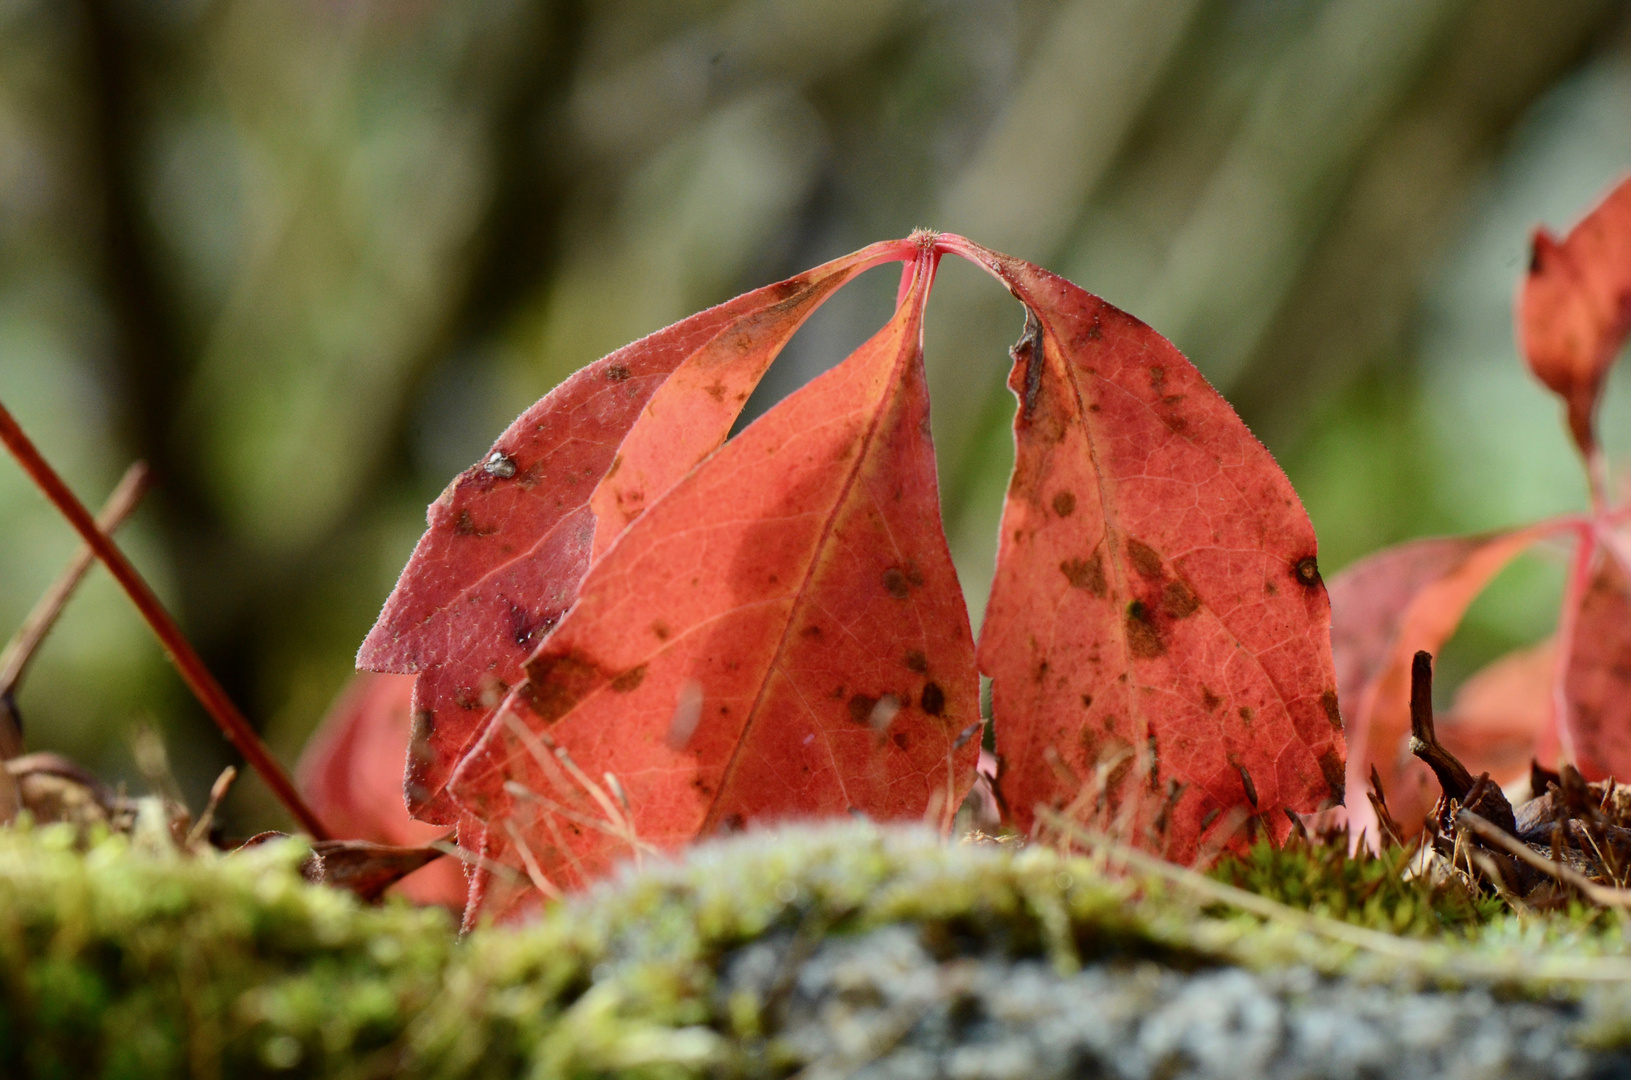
308, 257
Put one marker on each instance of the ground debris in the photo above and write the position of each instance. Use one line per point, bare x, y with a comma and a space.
1571, 838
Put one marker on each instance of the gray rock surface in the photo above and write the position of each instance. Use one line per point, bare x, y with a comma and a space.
880, 1006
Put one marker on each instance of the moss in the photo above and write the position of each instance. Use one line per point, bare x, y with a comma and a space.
127, 960
1376, 890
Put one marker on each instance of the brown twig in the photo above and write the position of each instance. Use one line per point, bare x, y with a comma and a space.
1453, 776
187, 661
1603, 895
26, 641
218, 791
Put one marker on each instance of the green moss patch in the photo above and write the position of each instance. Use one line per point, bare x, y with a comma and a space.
129, 960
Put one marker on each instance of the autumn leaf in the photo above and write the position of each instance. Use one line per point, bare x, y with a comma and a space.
351, 774
1574, 309
510, 538
1384, 609
1598, 679
780, 634
1157, 627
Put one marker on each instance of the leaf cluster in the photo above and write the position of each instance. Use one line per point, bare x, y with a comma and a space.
1566, 699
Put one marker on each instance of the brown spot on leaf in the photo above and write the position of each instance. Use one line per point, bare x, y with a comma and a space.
661, 630
1333, 713
558, 683
1246, 783
1246, 713
617, 373
1335, 778
1142, 637
1085, 574
1027, 357
1307, 570
1177, 601
630, 679
1064, 504
1144, 559
860, 709
934, 699
894, 583
1158, 377
1209, 700
424, 723
465, 525
811, 631
916, 661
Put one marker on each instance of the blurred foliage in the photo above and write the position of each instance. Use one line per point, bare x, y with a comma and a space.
308, 258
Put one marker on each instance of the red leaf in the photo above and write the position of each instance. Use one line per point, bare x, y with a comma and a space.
1384, 608
1598, 680
510, 538
1502, 716
1574, 310
351, 773
1157, 613
781, 634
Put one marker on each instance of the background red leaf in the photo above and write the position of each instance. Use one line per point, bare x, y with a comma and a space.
1502, 716
1157, 626
781, 634
1384, 608
510, 538
351, 773
1574, 309
1598, 678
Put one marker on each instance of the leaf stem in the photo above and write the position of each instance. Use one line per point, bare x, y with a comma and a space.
187, 661
1574, 591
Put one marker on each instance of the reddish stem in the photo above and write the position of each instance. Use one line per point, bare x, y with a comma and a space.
1574, 590
187, 662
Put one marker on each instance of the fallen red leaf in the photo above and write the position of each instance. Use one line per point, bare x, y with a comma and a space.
351, 774
1157, 627
511, 537
780, 634
1574, 309
1384, 608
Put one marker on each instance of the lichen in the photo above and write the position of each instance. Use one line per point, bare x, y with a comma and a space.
124, 959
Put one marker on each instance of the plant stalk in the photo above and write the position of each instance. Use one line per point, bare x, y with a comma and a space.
209, 692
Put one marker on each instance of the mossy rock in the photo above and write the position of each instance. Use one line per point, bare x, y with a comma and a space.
127, 959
